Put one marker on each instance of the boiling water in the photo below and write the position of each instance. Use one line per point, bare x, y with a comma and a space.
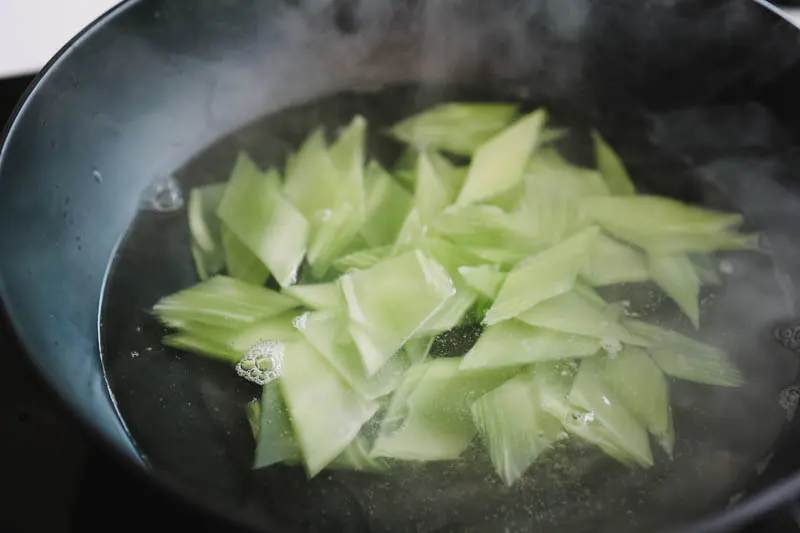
186, 413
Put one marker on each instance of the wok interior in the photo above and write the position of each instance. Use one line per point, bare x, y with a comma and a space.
186, 413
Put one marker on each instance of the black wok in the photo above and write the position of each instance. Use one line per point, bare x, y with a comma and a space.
699, 97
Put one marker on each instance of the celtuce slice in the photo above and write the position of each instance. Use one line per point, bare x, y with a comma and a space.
498, 165
642, 388
541, 277
356, 457
459, 128
319, 296
611, 168
275, 442
611, 262
325, 413
590, 393
204, 226
388, 204
484, 279
191, 341
432, 193
363, 259
278, 328
676, 276
391, 301
684, 358
241, 263
223, 302
256, 211
347, 155
514, 427
513, 343
548, 177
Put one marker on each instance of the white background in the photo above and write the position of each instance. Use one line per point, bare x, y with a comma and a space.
32, 31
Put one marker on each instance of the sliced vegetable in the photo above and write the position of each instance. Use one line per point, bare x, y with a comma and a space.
204, 226
642, 388
611, 262
484, 279
356, 457
676, 275
388, 204
363, 259
513, 343
590, 393
320, 296
255, 210
706, 270
200, 344
347, 155
391, 301
514, 426
275, 442
684, 358
241, 262
612, 168
549, 177
541, 277
498, 165
326, 414
460, 128
222, 301
432, 193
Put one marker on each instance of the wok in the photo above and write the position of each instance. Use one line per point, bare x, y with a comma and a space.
697, 96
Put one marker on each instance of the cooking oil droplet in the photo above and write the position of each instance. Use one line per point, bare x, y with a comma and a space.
97, 176
162, 195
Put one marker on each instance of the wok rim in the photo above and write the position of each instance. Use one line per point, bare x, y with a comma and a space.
740, 513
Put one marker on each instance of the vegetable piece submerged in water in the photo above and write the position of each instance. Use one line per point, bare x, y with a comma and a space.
402, 266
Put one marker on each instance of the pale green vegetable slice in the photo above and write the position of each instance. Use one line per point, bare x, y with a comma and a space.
571, 313
451, 313
254, 209
514, 427
347, 155
204, 226
690, 242
417, 349
363, 259
191, 341
549, 177
432, 193
388, 204
684, 358
241, 263
412, 233
513, 343
317, 296
545, 275
676, 275
460, 128
275, 442
253, 413
611, 262
356, 457
325, 413
312, 182
590, 393
642, 388
498, 165
391, 301
338, 230
590, 295
224, 302
706, 270
487, 227
278, 328
552, 383
611, 167
484, 279
324, 330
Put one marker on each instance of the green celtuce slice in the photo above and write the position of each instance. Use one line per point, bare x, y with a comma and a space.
391, 301
275, 442
256, 211
513, 343
571, 313
514, 427
222, 302
356, 457
663, 225
450, 314
429, 417
486, 280
191, 341
418, 349
433, 193
706, 270
327, 332
240, 262
612, 169
611, 262
459, 128
589, 392
347, 155
684, 358
676, 276
363, 259
643, 390
204, 226
387, 205
498, 165
319, 296
545, 275
278, 328
325, 413
338, 231
253, 413
549, 177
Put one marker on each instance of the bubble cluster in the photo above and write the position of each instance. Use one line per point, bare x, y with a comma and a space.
262, 363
